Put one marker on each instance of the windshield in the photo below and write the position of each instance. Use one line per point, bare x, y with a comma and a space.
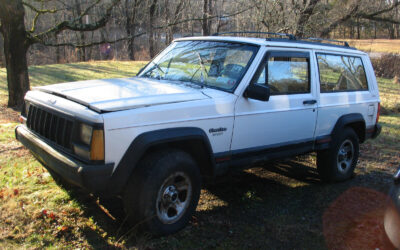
213, 64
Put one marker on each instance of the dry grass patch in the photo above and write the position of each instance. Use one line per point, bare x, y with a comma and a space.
376, 45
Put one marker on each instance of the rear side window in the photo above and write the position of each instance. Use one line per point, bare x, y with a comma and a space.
286, 73
341, 73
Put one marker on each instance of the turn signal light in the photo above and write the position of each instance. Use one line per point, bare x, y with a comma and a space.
97, 146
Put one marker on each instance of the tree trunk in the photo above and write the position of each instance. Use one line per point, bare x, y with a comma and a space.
2, 63
204, 23
16, 45
130, 27
81, 35
152, 11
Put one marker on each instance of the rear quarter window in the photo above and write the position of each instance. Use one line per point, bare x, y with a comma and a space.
341, 73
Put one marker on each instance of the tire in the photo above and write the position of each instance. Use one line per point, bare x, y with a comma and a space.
163, 192
338, 163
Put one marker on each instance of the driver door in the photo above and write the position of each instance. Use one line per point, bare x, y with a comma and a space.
287, 121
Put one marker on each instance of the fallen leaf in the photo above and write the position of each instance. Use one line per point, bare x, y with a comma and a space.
44, 212
16, 191
52, 216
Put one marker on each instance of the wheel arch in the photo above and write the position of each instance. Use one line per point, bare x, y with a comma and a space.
192, 140
355, 121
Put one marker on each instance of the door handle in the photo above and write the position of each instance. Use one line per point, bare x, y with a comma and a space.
309, 102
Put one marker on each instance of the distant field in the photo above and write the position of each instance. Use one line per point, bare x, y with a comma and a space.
376, 45
276, 205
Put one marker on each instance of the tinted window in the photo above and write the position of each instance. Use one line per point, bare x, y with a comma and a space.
286, 74
341, 73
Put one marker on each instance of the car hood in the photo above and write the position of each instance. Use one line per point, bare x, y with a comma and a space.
125, 93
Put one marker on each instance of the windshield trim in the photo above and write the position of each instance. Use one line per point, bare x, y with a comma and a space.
232, 90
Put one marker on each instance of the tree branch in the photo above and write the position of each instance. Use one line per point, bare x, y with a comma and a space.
34, 21
75, 25
325, 32
394, 5
40, 11
379, 19
93, 43
200, 18
373, 16
370, 16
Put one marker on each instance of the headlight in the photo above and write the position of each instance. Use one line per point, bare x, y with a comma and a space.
24, 112
86, 134
91, 146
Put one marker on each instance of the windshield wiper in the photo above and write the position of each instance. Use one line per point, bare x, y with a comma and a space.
157, 66
148, 72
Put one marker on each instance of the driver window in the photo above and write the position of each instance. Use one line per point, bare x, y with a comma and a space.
286, 74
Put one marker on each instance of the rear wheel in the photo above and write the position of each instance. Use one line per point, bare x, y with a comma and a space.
338, 162
163, 192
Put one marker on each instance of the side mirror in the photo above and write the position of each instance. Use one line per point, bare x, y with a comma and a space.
257, 92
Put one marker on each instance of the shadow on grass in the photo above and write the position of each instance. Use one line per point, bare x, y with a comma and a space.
277, 204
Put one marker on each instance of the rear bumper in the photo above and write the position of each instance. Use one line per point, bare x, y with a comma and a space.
373, 132
94, 178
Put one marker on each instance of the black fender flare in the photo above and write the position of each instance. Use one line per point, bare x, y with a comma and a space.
346, 120
144, 141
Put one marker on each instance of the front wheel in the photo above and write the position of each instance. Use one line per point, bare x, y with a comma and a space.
338, 162
163, 192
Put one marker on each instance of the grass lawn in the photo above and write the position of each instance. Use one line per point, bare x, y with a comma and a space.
280, 204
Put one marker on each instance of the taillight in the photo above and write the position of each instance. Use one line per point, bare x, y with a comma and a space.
378, 113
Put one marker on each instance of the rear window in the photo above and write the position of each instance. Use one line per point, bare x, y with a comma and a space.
341, 73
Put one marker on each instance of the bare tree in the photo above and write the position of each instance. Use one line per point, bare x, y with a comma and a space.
131, 7
17, 39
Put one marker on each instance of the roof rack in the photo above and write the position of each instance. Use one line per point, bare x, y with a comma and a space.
292, 38
289, 36
315, 39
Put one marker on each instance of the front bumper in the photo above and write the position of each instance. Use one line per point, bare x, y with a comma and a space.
94, 178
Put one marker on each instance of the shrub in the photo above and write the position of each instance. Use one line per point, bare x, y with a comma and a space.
388, 66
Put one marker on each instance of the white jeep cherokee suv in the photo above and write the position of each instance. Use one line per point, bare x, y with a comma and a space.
201, 106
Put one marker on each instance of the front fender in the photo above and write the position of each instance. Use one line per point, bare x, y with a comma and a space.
142, 143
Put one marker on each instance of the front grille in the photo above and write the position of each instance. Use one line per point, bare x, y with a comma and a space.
50, 125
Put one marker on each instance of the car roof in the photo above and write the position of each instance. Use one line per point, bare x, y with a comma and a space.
284, 43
